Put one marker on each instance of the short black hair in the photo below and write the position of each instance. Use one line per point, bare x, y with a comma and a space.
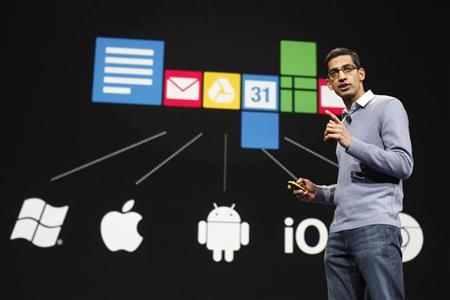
343, 51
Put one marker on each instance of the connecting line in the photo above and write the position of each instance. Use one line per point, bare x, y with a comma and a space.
311, 151
225, 163
108, 156
169, 158
280, 164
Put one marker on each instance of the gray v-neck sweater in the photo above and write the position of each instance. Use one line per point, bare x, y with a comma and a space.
371, 170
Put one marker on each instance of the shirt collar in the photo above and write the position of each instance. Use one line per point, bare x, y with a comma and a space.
362, 101
365, 98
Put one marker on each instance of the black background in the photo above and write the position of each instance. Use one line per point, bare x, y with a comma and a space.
49, 125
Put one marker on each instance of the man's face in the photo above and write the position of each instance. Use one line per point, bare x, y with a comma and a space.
345, 78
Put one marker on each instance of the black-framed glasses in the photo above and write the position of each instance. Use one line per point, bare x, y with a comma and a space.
334, 73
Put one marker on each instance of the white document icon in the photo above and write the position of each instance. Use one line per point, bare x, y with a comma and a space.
182, 88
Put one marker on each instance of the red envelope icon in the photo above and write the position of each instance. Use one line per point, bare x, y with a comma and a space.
182, 88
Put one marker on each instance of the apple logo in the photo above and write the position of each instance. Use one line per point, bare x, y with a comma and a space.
119, 229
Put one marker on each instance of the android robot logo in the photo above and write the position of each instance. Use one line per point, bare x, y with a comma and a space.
223, 232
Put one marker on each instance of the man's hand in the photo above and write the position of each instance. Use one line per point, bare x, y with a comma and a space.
308, 193
337, 131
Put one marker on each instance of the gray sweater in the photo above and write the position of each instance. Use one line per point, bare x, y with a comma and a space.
369, 185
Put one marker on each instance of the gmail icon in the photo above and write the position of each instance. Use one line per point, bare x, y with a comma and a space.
182, 88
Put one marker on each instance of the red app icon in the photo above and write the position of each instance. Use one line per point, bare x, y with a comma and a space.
182, 88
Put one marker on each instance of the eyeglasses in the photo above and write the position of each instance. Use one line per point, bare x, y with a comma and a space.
334, 73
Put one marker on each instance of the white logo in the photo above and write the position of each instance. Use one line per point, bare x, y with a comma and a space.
183, 88
221, 91
119, 229
260, 94
412, 237
223, 231
300, 236
39, 222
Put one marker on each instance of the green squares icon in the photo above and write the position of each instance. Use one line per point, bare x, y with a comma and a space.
305, 102
286, 101
298, 58
298, 84
286, 82
305, 83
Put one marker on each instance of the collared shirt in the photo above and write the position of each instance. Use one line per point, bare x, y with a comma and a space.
369, 187
360, 103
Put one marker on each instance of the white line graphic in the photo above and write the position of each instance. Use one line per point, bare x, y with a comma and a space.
169, 158
225, 146
128, 61
127, 80
116, 90
130, 51
108, 156
311, 151
279, 164
128, 71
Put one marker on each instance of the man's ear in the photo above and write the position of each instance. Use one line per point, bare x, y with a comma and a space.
362, 73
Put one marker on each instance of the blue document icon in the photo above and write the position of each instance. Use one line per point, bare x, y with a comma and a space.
128, 71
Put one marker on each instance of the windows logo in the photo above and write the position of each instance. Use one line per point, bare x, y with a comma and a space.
39, 222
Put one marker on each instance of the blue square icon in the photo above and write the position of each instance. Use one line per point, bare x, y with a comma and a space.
128, 71
260, 130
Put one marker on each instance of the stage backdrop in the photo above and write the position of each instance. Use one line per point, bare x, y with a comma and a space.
149, 146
